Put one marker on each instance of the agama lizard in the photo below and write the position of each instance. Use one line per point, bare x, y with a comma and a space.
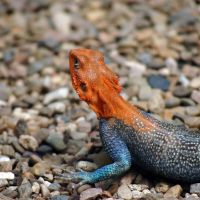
129, 135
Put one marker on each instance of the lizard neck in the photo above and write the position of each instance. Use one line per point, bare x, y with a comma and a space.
113, 105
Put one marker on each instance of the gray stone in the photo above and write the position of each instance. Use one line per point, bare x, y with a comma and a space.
4, 92
172, 102
55, 140
192, 110
60, 197
145, 93
8, 150
25, 189
3, 182
156, 103
196, 96
39, 65
181, 91
195, 188
44, 190
54, 186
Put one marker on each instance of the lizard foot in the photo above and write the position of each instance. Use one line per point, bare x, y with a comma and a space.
81, 177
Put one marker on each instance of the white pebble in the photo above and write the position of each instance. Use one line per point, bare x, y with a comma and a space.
7, 175
2, 103
183, 80
20, 114
36, 187
137, 68
4, 159
47, 183
57, 107
137, 194
146, 191
58, 94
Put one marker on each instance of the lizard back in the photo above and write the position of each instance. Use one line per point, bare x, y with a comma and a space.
170, 151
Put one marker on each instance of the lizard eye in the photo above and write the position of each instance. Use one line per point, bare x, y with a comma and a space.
83, 87
76, 63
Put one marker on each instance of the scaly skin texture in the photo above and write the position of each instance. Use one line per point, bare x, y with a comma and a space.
130, 136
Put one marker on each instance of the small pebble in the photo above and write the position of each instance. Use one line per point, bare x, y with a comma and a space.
124, 192
57, 107
44, 190
25, 189
181, 91
193, 122
36, 187
4, 158
28, 142
156, 103
162, 187
90, 193
60, 197
21, 128
8, 150
3, 182
172, 102
145, 93
195, 83
172, 65
174, 191
83, 187
138, 187
159, 82
196, 96
41, 168
137, 194
58, 94
192, 110
86, 166
54, 186
55, 140
195, 188
7, 175
138, 69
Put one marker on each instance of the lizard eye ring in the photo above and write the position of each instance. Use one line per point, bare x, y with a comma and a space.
76, 63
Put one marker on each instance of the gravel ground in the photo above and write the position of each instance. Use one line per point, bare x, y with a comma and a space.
154, 46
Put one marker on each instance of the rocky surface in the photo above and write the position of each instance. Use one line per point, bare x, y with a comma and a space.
45, 130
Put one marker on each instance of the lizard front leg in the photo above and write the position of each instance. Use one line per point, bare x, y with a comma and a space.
116, 149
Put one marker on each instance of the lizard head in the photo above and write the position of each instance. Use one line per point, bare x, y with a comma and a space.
93, 81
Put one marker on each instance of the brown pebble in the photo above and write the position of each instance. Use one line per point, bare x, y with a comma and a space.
174, 191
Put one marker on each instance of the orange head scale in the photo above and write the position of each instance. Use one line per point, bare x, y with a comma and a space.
93, 81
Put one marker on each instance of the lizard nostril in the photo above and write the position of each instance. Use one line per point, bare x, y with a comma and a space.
83, 87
